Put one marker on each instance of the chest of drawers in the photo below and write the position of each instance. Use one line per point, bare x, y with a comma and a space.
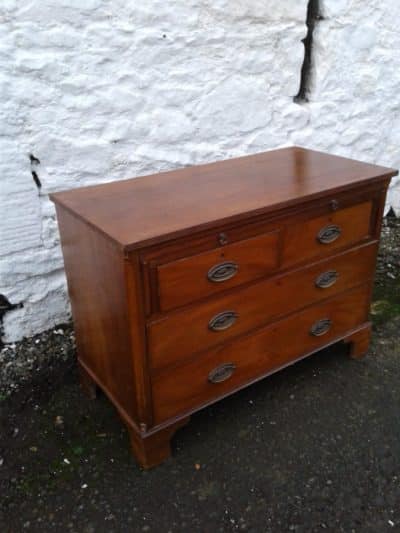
186, 286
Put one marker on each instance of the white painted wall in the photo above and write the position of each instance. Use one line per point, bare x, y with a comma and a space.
100, 90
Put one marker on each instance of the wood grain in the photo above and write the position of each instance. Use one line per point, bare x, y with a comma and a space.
185, 387
137, 254
96, 285
255, 305
301, 243
185, 280
152, 209
359, 341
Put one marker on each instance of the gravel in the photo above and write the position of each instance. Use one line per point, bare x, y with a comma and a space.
22, 362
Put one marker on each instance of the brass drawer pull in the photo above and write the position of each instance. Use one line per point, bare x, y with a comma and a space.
222, 272
329, 234
326, 279
221, 373
222, 321
321, 327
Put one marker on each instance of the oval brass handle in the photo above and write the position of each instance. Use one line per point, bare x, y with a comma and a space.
222, 321
222, 271
326, 279
321, 327
329, 234
221, 373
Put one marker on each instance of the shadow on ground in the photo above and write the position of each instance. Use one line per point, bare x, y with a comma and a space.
314, 447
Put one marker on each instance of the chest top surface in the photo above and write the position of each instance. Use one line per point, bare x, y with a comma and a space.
150, 209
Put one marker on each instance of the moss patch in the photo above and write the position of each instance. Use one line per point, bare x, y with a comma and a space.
386, 295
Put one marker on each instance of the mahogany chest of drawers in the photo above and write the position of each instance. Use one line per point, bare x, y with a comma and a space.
189, 285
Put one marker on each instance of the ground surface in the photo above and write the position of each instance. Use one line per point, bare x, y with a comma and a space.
315, 447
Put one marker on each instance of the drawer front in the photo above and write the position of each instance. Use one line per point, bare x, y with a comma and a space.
218, 372
176, 336
322, 235
188, 279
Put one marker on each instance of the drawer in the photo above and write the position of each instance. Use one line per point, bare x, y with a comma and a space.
204, 325
322, 235
204, 274
222, 370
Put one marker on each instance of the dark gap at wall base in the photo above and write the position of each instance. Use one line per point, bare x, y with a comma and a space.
5, 306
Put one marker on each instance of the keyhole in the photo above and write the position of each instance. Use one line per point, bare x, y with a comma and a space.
222, 239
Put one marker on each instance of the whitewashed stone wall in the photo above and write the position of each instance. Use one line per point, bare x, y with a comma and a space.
99, 90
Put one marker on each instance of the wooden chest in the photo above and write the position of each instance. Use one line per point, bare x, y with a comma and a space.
189, 285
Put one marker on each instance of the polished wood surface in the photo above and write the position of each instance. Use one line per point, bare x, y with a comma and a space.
96, 285
359, 341
185, 280
254, 305
301, 242
183, 388
161, 339
151, 449
151, 209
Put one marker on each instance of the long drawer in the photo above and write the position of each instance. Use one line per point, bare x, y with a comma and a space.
215, 373
204, 325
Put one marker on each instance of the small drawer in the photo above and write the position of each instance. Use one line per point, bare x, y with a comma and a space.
213, 322
322, 235
204, 274
220, 371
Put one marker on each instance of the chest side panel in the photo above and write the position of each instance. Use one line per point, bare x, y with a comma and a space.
97, 290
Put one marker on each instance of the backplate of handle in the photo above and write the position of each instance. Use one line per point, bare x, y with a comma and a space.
326, 279
329, 234
221, 373
222, 321
321, 327
222, 271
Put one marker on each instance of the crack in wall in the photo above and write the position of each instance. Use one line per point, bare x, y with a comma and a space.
36, 179
313, 16
34, 160
34, 164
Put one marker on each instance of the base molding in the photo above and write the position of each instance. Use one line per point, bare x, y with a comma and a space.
151, 449
359, 341
87, 383
151, 446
